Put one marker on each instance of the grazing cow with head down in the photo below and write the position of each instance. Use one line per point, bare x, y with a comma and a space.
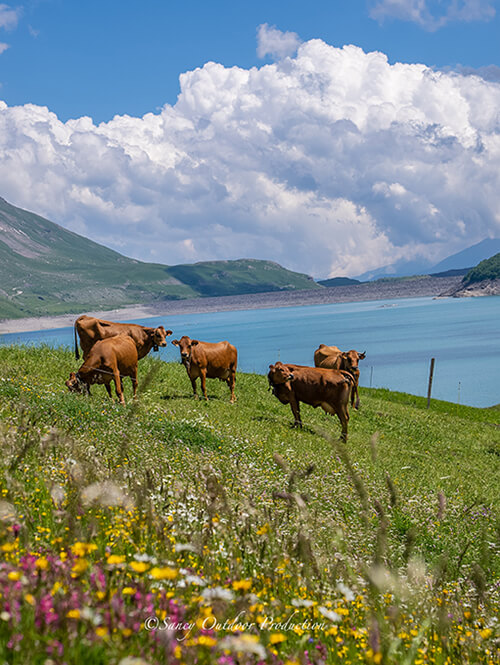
108, 360
91, 330
331, 357
207, 360
330, 389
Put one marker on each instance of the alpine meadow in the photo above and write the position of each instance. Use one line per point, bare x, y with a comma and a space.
176, 530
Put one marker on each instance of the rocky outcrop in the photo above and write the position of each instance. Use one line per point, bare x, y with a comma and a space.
487, 287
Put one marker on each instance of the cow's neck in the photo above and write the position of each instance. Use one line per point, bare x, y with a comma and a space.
147, 342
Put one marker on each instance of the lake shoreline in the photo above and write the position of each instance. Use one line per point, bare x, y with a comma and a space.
388, 290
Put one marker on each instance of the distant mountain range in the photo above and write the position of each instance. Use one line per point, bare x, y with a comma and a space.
46, 269
467, 258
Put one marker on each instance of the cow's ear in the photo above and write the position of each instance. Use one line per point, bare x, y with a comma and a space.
362, 356
194, 342
72, 375
175, 342
169, 332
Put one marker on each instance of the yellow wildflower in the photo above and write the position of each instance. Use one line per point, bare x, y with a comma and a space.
128, 591
242, 585
276, 638
80, 567
14, 575
81, 549
115, 559
30, 599
56, 587
8, 547
207, 641
42, 563
73, 614
485, 633
166, 573
139, 566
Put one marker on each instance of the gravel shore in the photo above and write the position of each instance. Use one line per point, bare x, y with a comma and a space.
410, 288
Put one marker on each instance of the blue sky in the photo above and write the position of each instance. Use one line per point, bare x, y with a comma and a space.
114, 57
294, 146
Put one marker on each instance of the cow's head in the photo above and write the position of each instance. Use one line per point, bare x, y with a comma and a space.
160, 337
350, 361
279, 374
185, 345
74, 383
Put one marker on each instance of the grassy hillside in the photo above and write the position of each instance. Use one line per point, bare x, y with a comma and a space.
487, 269
45, 269
384, 551
215, 278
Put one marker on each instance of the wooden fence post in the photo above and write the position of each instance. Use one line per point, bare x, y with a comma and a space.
431, 374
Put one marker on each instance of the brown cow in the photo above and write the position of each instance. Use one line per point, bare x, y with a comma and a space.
331, 357
327, 388
108, 360
90, 330
207, 360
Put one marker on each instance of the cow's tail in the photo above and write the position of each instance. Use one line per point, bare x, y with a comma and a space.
77, 353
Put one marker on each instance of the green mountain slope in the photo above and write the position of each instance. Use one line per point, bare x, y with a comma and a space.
215, 278
45, 269
487, 269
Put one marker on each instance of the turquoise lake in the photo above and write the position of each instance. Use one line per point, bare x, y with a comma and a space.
399, 337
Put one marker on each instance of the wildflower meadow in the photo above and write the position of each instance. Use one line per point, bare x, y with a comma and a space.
174, 530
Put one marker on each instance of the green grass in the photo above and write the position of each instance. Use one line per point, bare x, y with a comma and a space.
406, 515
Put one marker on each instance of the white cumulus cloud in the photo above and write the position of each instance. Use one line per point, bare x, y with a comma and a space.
331, 162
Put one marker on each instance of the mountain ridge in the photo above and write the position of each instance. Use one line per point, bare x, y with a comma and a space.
47, 269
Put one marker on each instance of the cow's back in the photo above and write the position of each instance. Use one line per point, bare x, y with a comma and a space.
91, 330
118, 352
327, 357
315, 384
217, 358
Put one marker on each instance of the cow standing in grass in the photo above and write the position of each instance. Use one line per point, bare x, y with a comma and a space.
90, 330
207, 360
110, 359
328, 388
331, 357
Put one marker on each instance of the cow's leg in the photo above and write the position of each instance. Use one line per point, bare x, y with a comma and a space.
193, 383
203, 381
343, 414
295, 406
118, 387
108, 388
230, 382
355, 394
134, 383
